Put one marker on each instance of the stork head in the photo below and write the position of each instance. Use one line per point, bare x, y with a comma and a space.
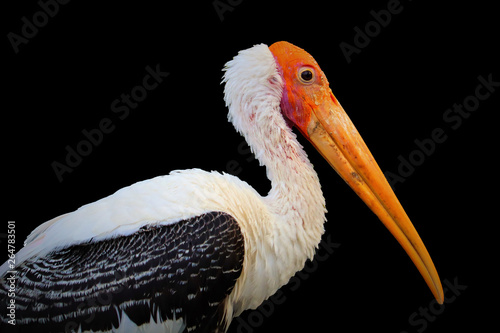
308, 103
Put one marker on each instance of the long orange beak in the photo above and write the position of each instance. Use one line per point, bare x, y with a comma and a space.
333, 134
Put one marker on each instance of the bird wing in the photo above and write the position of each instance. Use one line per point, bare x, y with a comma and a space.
176, 275
164, 199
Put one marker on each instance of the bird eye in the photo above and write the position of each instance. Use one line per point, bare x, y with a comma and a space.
306, 75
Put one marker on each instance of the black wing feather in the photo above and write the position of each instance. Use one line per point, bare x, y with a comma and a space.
183, 270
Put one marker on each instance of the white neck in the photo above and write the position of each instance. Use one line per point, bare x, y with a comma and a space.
253, 93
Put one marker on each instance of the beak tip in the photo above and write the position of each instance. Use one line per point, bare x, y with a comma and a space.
436, 288
440, 295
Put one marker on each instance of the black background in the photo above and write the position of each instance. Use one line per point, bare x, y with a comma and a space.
396, 90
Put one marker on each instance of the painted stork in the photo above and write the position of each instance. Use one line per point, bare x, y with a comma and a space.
191, 250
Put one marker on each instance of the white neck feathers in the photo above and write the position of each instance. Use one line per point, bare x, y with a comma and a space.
253, 93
